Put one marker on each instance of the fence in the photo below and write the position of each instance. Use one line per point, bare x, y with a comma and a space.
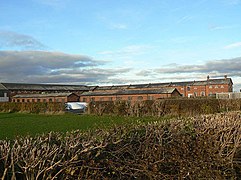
4, 99
234, 95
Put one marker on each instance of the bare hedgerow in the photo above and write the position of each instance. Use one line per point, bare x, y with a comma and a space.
203, 147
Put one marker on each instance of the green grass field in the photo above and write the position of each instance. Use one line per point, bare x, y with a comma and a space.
20, 124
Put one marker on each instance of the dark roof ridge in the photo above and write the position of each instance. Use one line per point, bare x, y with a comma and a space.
43, 84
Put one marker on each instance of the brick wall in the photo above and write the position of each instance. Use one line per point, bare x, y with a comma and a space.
41, 99
132, 97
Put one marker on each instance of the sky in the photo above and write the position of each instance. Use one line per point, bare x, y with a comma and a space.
110, 42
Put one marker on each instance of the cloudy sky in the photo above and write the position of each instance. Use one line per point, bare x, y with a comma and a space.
109, 42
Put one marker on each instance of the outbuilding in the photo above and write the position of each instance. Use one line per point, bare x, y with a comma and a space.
51, 97
130, 95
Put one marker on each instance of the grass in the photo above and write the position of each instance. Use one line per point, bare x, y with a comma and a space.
20, 124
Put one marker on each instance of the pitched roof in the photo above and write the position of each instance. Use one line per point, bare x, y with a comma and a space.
195, 83
2, 87
164, 90
43, 95
113, 87
44, 87
167, 84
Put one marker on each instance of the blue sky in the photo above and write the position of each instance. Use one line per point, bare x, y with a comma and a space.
105, 42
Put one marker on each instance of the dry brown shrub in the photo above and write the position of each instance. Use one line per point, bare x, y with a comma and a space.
165, 107
202, 147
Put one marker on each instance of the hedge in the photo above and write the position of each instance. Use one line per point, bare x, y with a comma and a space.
162, 107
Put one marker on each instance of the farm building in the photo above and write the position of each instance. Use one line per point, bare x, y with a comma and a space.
206, 87
53, 97
12, 89
130, 95
3, 94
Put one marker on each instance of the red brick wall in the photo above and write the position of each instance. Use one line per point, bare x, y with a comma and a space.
132, 97
42, 99
204, 90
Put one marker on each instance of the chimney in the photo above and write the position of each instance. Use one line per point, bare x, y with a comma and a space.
208, 77
225, 76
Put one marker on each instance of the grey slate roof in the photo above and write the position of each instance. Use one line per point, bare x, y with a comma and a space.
167, 84
113, 87
56, 87
42, 95
187, 83
2, 87
165, 90
44, 87
152, 91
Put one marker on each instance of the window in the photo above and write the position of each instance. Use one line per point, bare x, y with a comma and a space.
150, 98
188, 88
195, 94
92, 99
50, 100
1, 94
129, 98
102, 99
118, 98
38, 100
110, 99
140, 98
202, 93
28, 100
23, 100
44, 100
33, 100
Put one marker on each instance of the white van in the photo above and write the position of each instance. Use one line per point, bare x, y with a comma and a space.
83, 103
75, 107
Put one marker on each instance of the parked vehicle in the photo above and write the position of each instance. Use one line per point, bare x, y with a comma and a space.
75, 107
83, 103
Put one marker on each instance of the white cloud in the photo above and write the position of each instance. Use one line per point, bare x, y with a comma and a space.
118, 26
128, 50
9, 39
233, 45
184, 19
53, 3
44, 65
216, 27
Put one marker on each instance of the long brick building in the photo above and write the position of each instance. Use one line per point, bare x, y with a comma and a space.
208, 87
9, 90
130, 95
50, 97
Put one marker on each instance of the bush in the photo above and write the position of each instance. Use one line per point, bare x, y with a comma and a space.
39, 107
203, 147
165, 107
